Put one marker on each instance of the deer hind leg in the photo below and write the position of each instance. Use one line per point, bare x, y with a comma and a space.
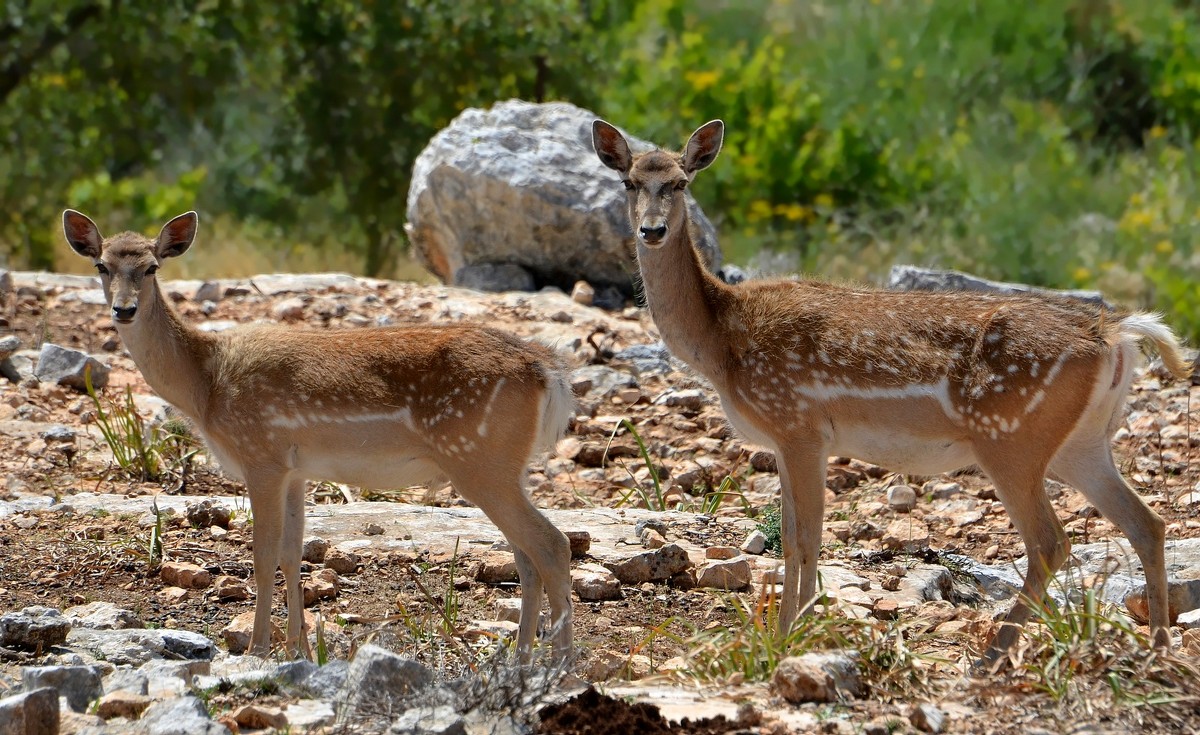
499, 494
1020, 486
267, 501
802, 476
1087, 465
291, 547
531, 600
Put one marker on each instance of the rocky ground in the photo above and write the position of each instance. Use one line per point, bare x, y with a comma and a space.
671, 570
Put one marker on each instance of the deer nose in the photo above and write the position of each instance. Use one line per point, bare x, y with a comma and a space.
653, 234
124, 313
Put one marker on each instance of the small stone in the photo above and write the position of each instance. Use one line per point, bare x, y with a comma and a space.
64, 366
628, 396
652, 539
373, 529
1189, 620
206, 514
80, 685
31, 713
581, 542
906, 534
440, 720
817, 677
594, 583
763, 461
902, 498
927, 718
122, 703
257, 717
886, 608
289, 310
59, 433
314, 550
185, 574
35, 628
583, 293
497, 567
508, 609
102, 616
172, 595
649, 566
208, 291
231, 588
991, 552
727, 574
341, 561
721, 552
755, 543
322, 585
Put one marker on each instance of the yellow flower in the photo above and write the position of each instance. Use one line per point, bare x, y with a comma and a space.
1164, 247
793, 212
1137, 199
895, 63
760, 209
1157, 132
702, 80
1081, 274
823, 200
919, 72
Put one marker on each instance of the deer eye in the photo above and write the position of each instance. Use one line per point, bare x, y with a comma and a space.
628, 184
102, 269
152, 270
681, 184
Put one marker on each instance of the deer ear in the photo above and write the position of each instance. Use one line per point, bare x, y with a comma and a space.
702, 148
176, 236
611, 147
82, 234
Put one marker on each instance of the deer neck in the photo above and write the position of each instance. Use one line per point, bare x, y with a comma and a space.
172, 356
684, 300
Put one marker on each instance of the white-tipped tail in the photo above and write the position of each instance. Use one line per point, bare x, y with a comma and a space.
558, 405
1151, 327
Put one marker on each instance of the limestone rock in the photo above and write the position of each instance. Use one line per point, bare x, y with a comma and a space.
520, 185
650, 566
906, 534
102, 616
913, 278
182, 716
928, 718
31, 713
902, 498
122, 703
185, 575
78, 684
593, 583
725, 574
34, 628
376, 674
9, 345
65, 366
817, 677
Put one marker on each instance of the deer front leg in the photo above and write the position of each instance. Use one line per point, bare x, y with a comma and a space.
802, 476
292, 546
266, 490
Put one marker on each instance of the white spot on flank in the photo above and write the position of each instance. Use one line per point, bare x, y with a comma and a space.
487, 410
299, 421
1033, 402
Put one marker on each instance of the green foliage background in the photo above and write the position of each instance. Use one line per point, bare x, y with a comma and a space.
1048, 142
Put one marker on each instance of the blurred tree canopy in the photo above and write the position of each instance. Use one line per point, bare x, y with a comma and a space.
1050, 142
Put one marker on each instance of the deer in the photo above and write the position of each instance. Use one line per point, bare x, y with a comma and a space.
921, 383
373, 407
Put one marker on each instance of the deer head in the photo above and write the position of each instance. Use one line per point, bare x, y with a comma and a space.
655, 181
127, 262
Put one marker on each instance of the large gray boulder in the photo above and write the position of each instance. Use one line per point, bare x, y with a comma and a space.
520, 185
915, 278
